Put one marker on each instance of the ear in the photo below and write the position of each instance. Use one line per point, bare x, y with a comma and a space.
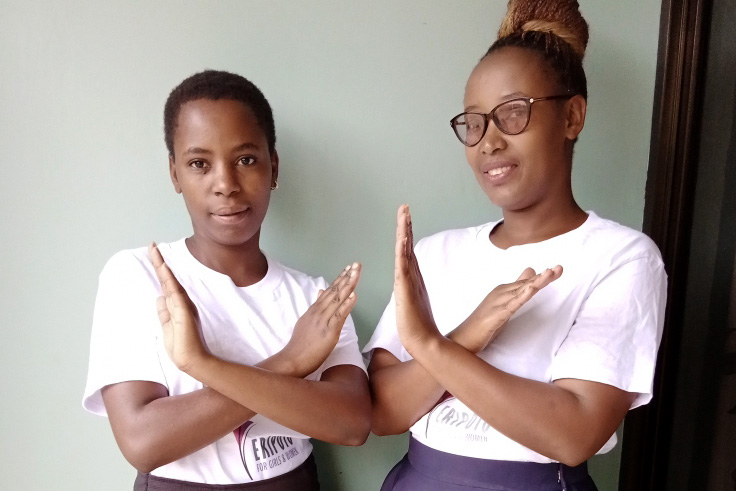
575, 117
274, 167
172, 173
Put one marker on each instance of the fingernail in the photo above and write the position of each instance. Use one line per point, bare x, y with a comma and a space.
352, 295
355, 265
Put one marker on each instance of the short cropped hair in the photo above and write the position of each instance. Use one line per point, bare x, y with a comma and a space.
215, 85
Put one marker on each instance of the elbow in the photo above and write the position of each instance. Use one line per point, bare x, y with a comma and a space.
389, 420
142, 467
379, 429
140, 459
382, 425
574, 460
141, 455
575, 453
355, 430
356, 439
359, 432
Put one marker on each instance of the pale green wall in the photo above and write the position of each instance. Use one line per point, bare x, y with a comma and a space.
362, 93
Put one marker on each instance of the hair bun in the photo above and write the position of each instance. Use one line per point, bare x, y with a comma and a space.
559, 17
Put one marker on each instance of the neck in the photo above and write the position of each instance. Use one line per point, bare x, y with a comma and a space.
245, 264
528, 226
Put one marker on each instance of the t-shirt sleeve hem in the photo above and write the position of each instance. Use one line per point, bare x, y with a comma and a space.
641, 388
92, 400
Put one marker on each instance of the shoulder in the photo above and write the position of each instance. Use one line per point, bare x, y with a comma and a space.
134, 265
618, 243
293, 278
127, 262
453, 239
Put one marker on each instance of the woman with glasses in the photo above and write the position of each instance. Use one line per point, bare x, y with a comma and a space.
508, 378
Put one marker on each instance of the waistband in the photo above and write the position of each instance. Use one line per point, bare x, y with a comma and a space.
302, 478
468, 471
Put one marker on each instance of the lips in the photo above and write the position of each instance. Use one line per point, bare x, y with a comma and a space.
498, 171
230, 214
230, 210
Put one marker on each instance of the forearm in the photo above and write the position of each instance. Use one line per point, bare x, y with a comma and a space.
167, 428
335, 409
404, 392
401, 394
565, 425
153, 428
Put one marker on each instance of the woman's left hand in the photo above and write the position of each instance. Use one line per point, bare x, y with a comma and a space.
178, 317
414, 318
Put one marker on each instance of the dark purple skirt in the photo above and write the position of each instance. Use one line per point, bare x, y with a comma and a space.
303, 478
426, 469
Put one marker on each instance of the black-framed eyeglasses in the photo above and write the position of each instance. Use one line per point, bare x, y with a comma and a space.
511, 117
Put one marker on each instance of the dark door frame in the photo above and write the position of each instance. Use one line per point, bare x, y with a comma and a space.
668, 221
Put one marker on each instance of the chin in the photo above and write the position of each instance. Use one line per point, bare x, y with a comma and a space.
234, 239
507, 204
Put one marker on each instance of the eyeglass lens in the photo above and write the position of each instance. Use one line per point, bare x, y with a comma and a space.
510, 117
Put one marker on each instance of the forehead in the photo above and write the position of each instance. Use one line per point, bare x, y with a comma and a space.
201, 120
507, 73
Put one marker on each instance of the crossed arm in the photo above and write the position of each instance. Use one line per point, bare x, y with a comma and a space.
153, 428
567, 420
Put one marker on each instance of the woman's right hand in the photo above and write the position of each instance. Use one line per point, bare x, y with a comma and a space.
317, 331
492, 314
178, 317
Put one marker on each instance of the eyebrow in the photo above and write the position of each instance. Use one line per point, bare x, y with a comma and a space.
513, 95
504, 98
196, 150
204, 151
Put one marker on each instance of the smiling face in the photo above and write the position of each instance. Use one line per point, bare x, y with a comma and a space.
531, 170
222, 166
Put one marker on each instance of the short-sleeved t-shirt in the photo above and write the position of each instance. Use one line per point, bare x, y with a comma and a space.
240, 324
600, 321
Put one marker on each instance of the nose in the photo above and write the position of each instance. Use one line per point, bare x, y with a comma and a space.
226, 180
494, 139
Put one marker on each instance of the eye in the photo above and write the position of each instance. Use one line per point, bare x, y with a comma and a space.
198, 164
474, 123
246, 161
515, 110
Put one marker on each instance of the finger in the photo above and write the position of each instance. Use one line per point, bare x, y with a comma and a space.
338, 285
524, 278
409, 245
525, 292
403, 245
401, 221
526, 274
169, 283
340, 278
401, 233
337, 295
337, 319
339, 282
164, 315
546, 277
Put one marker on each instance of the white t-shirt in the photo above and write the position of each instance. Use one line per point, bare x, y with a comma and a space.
600, 321
240, 324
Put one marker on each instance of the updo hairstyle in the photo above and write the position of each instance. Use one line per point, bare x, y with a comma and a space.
555, 30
